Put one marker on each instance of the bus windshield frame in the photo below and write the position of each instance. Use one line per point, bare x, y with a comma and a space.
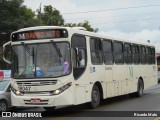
41, 60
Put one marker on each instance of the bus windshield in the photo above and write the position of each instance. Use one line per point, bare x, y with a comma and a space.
41, 60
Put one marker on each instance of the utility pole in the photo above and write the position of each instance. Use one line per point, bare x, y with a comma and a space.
40, 14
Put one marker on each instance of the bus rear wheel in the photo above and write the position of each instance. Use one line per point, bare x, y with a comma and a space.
140, 88
95, 97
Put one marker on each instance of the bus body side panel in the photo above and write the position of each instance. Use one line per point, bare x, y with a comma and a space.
129, 77
144, 72
120, 75
148, 72
97, 75
152, 74
83, 87
109, 81
135, 71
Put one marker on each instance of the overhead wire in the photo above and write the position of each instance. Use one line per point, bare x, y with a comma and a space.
108, 16
125, 21
132, 7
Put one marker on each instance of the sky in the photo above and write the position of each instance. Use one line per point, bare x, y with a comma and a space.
137, 20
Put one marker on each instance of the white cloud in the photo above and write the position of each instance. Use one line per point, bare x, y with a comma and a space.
70, 6
104, 20
143, 36
126, 23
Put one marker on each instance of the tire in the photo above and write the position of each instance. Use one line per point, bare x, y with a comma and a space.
95, 97
3, 106
49, 108
140, 88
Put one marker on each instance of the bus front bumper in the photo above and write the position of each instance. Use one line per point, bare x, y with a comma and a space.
65, 98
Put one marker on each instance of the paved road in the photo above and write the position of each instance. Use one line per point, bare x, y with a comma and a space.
150, 101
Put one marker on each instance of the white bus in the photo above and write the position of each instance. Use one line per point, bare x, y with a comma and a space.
54, 66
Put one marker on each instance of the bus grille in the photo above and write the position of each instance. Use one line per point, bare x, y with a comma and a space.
37, 93
37, 83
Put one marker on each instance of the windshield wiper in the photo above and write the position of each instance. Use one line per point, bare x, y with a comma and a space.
31, 53
57, 48
26, 48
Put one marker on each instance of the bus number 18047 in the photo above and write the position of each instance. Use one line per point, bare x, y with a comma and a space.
24, 88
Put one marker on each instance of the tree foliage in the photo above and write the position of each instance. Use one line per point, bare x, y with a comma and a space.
50, 16
13, 16
84, 24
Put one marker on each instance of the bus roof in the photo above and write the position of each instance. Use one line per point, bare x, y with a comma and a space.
81, 30
39, 27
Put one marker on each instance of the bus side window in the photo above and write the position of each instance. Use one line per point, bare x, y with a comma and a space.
149, 55
143, 55
96, 51
136, 54
153, 56
127, 53
118, 53
108, 52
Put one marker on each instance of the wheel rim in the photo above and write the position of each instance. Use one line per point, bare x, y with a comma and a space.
140, 89
3, 107
95, 96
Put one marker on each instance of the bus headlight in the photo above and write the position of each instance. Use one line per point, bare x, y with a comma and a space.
16, 92
61, 89
56, 92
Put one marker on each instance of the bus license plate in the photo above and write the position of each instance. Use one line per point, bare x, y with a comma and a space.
35, 100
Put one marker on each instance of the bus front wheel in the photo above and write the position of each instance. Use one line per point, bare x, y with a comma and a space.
95, 97
49, 108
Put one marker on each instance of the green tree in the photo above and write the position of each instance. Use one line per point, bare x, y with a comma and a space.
50, 16
84, 24
13, 16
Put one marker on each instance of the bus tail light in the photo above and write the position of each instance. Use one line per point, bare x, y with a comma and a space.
61, 89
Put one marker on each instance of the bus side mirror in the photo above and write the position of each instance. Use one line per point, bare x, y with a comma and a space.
79, 54
5, 52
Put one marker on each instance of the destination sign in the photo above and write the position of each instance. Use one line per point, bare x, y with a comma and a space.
40, 34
